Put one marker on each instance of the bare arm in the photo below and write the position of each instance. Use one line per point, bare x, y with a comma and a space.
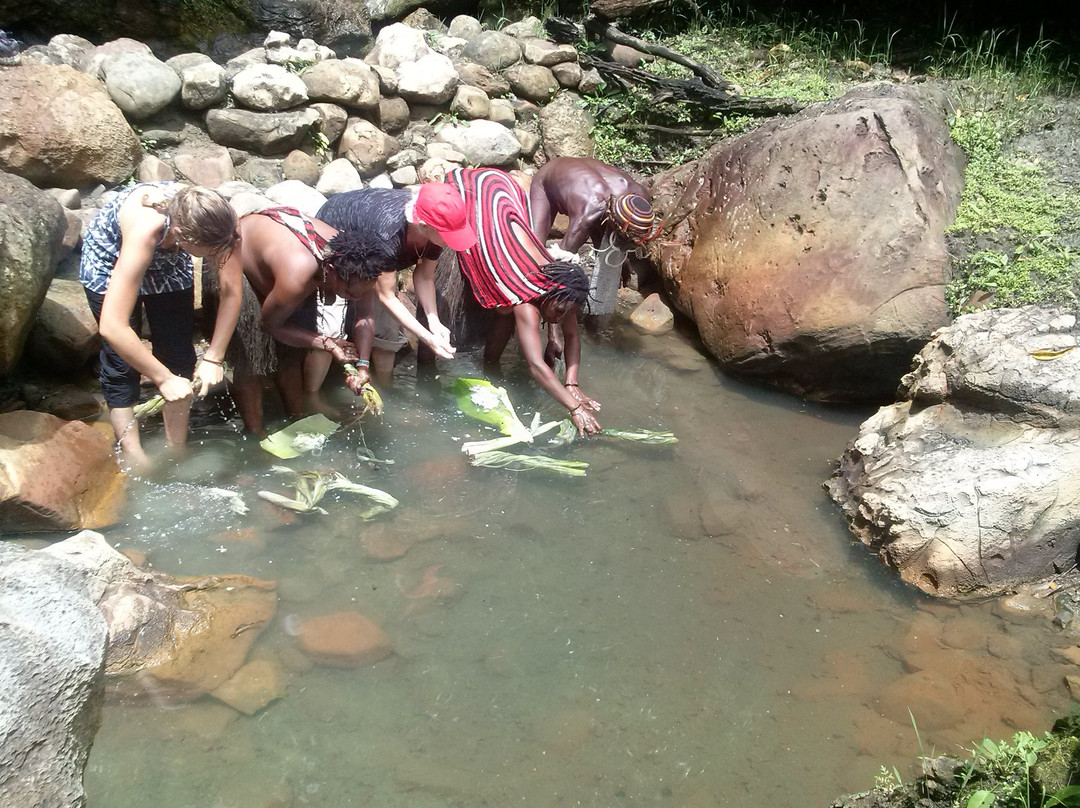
527, 324
582, 224
386, 289
540, 214
424, 286
572, 352
230, 281
140, 230
286, 297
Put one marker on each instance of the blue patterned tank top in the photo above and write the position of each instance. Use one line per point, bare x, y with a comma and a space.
168, 271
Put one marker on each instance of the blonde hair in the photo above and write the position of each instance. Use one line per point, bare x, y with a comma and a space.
202, 217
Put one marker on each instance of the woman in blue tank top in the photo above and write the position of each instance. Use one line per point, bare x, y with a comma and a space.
137, 251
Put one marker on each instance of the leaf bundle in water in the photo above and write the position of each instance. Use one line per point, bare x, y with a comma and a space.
517, 462
373, 402
312, 486
149, 407
480, 399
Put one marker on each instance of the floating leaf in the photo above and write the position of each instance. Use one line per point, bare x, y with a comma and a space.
299, 437
480, 399
516, 462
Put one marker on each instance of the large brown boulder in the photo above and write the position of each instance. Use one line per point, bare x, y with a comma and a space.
810, 252
58, 127
32, 226
56, 474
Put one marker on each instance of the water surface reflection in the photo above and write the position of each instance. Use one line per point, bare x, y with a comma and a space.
687, 624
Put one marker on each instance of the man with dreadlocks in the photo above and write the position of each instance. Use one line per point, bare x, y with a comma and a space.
290, 262
511, 273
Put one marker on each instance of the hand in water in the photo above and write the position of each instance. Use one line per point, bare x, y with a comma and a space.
581, 398
585, 422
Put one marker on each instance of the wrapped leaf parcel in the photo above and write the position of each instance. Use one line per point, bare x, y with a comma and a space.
307, 434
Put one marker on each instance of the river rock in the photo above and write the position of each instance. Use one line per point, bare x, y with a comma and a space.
64, 336
59, 128
484, 143
811, 251
52, 643
337, 177
343, 640
970, 486
431, 79
208, 167
266, 133
532, 82
32, 227
397, 44
254, 686
653, 316
177, 638
56, 475
140, 84
367, 147
494, 50
565, 124
348, 82
268, 88
203, 85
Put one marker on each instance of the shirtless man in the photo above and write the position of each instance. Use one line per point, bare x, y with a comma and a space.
603, 204
583, 189
289, 260
511, 273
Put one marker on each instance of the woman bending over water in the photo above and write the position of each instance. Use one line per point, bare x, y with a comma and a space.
136, 257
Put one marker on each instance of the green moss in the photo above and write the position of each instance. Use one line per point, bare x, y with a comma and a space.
203, 19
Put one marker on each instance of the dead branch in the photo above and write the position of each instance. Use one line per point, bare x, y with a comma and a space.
606, 30
692, 91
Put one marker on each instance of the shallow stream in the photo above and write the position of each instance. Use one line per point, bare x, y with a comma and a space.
688, 625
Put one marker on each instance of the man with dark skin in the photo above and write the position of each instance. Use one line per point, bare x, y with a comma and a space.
277, 254
579, 187
584, 189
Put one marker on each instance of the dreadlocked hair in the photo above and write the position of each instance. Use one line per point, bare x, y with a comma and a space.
572, 285
348, 254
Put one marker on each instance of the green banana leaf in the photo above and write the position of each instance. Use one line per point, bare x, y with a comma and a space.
299, 437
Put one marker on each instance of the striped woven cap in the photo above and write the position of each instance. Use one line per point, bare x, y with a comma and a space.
633, 215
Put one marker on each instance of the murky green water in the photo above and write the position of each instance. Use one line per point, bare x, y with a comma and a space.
686, 626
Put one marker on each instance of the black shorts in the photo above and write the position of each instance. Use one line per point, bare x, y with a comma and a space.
171, 318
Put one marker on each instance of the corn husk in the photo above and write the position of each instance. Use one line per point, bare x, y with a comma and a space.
480, 399
312, 486
475, 447
567, 434
517, 462
373, 402
306, 435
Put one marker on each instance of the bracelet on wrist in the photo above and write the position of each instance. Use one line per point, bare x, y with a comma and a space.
362, 363
578, 407
213, 362
571, 384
